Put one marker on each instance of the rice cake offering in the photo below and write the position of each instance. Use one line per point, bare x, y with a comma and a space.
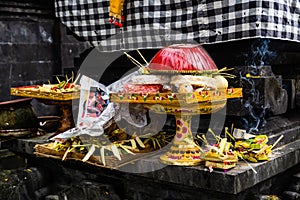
151, 79
142, 88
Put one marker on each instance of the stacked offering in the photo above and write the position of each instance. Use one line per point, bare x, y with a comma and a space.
181, 80
254, 149
63, 90
179, 69
221, 156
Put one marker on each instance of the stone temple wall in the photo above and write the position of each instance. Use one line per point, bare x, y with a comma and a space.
27, 44
34, 47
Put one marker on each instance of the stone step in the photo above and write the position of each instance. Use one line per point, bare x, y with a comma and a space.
296, 176
5, 153
289, 195
232, 181
295, 187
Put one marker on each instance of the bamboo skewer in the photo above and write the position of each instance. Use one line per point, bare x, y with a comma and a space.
250, 166
134, 62
142, 57
132, 59
76, 79
275, 143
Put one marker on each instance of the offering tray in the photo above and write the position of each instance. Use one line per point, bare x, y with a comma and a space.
32, 91
183, 106
63, 100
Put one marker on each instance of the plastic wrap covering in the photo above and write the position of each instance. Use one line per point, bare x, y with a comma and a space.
182, 58
118, 86
96, 112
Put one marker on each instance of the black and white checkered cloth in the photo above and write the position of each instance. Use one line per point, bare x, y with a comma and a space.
157, 23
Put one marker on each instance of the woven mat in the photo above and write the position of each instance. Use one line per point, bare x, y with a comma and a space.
42, 150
